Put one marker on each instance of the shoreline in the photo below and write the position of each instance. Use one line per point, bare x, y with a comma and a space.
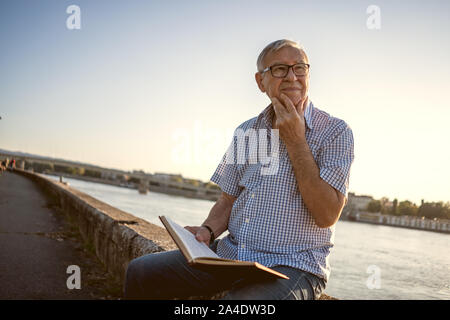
159, 189
213, 197
396, 226
405, 222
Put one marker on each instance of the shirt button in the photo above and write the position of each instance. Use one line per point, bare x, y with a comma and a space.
243, 246
247, 220
253, 195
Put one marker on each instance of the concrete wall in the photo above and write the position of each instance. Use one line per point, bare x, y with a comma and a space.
118, 237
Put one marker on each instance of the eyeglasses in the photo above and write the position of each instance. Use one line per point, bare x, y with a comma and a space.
281, 70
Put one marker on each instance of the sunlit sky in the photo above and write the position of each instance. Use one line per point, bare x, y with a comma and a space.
160, 86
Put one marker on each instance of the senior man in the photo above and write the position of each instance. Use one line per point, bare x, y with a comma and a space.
283, 219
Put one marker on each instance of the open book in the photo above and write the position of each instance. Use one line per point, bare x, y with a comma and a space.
201, 256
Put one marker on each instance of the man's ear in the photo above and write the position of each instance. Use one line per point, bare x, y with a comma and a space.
258, 78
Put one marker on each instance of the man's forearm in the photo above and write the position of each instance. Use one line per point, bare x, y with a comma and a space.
220, 214
320, 198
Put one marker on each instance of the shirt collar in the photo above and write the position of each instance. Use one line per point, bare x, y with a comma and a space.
308, 114
268, 113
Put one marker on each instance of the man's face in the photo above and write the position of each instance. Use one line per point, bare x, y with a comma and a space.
295, 87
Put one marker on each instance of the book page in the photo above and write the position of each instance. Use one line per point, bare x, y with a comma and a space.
196, 249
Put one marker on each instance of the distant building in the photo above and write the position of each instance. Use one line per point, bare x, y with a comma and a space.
388, 206
358, 203
168, 177
369, 217
439, 225
108, 175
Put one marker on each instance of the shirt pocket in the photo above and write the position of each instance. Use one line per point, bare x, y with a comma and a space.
251, 177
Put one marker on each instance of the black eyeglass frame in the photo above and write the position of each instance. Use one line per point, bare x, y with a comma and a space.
289, 66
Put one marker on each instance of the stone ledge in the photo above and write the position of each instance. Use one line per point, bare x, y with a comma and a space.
117, 236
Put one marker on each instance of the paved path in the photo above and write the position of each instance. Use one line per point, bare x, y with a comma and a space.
34, 253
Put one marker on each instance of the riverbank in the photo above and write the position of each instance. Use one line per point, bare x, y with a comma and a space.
442, 226
180, 189
408, 222
38, 246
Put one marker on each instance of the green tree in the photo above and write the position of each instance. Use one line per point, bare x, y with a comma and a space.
41, 167
195, 183
92, 173
385, 207
134, 180
28, 165
394, 210
211, 185
407, 208
79, 171
176, 179
65, 169
433, 210
374, 206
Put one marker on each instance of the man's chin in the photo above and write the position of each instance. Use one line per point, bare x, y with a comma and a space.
294, 96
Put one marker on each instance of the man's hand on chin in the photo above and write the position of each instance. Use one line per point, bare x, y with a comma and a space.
289, 121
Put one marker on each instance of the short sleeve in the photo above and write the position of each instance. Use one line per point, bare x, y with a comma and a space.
227, 175
336, 158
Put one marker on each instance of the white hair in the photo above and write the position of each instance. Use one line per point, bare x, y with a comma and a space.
275, 46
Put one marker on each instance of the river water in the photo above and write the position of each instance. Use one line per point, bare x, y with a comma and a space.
367, 261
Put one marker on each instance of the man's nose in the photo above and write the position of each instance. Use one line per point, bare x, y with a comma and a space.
291, 75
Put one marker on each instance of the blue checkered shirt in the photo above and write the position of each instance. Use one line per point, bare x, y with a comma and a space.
269, 222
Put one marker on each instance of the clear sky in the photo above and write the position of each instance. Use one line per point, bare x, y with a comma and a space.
160, 85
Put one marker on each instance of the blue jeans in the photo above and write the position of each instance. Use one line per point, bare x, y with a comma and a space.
167, 275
